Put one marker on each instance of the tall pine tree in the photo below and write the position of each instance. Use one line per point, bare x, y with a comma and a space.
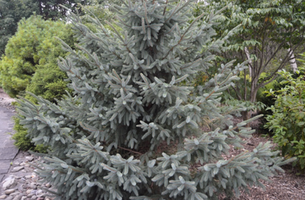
133, 127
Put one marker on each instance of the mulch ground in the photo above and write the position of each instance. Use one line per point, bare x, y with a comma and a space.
284, 186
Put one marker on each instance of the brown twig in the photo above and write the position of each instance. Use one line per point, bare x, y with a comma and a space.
130, 150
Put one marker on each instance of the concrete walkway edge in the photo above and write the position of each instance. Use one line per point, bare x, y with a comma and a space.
7, 149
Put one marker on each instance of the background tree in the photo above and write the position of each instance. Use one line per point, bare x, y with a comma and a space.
101, 10
52, 9
131, 129
269, 35
11, 12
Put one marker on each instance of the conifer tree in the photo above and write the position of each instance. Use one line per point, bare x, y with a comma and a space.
133, 127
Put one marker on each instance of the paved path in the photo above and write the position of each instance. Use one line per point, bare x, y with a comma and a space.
7, 149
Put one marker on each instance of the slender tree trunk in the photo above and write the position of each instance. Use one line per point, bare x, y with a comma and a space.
292, 61
250, 61
247, 114
254, 90
245, 83
253, 93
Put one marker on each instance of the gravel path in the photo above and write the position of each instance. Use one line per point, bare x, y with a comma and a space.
7, 149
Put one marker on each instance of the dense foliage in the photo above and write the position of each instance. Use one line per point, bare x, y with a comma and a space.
12, 11
268, 34
287, 121
30, 60
132, 130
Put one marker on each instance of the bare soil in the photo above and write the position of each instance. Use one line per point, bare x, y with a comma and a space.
285, 186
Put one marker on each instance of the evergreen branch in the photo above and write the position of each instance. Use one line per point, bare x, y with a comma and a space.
196, 61
145, 13
133, 58
74, 74
97, 22
108, 168
117, 76
129, 2
165, 7
177, 11
118, 18
170, 30
225, 80
124, 3
181, 39
233, 158
84, 127
209, 95
88, 53
222, 9
80, 30
145, 80
100, 94
172, 13
115, 30
105, 43
131, 55
51, 191
143, 26
104, 31
76, 170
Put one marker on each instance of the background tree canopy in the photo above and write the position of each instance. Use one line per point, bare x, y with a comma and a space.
52, 9
11, 12
267, 34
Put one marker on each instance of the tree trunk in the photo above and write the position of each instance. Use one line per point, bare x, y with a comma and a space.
254, 90
292, 61
246, 115
250, 61
253, 93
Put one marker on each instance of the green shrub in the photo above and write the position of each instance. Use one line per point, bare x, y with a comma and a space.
287, 121
264, 96
30, 65
35, 48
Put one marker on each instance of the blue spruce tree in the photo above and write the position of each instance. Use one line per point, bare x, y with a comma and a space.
132, 129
